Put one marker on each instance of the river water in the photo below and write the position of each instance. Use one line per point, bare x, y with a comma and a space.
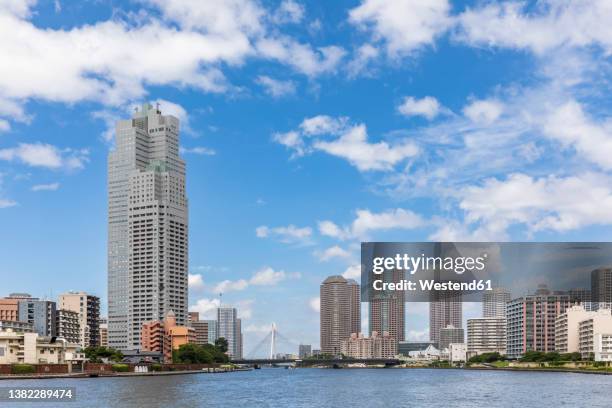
277, 387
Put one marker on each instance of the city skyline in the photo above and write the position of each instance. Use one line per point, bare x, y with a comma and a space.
306, 130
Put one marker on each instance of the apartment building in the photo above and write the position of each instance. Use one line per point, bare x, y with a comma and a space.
486, 335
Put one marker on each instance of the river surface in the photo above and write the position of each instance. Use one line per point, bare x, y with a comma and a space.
310, 387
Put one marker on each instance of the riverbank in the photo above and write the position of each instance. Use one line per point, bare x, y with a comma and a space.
118, 374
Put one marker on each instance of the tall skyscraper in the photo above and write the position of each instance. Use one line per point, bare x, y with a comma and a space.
387, 313
230, 328
601, 288
445, 309
494, 302
88, 308
355, 302
147, 226
338, 311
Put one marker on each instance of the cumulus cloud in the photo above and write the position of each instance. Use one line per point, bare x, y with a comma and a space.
46, 155
483, 111
333, 252
199, 150
352, 272
266, 276
289, 11
206, 307
195, 281
231, 286
428, 107
404, 26
5, 203
367, 222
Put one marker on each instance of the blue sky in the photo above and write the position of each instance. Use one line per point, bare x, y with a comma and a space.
307, 127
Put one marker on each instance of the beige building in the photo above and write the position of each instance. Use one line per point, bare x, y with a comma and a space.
103, 330
336, 312
602, 347
566, 329
30, 348
88, 309
375, 346
486, 335
68, 326
600, 323
457, 352
387, 312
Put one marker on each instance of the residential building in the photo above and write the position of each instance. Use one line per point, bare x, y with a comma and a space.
582, 297
103, 332
229, 327
201, 331
602, 347
601, 288
41, 313
16, 326
486, 335
193, 317
566, 328
530, 322
30, 348
355, 305
450, 334
375, 346
68, 326
387, 311
335, 313
147, 226
494, 302
9, 306
304, 350
598, 323
88, 308
165, 336
457, 352
445, 309
405, 347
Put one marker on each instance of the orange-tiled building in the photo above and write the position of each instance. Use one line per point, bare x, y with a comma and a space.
165, 336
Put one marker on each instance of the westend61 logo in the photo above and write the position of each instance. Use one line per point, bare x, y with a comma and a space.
412, 264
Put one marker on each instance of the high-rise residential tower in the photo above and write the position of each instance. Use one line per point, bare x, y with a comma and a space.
445, 309
230, 328
338, 311
355, 303
147, 226
387, 312
494, 302
601, 288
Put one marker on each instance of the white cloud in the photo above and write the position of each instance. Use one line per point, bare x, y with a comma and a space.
274, 87
546, 203
288, 234
483, 111
354, 147
404, 25
45, 187
4, 126
288, 11
195, 282
206, 307
352, 272
199, 150
569, 125
4, 203
333, 252
315, 304
428, 107
231, 286
549, 25
245, 308
323, 124
364, 55
46, 155
269, 277
367, 222
258, 328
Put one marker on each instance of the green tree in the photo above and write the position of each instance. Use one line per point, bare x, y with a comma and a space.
221, 344
96, 354
192, 354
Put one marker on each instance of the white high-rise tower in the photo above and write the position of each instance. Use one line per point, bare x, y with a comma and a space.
147, 226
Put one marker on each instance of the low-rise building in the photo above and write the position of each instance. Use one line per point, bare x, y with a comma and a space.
375, 346
457, 352
17, 326
103, 332
428, 354
166, 336
602, 347
30, 348
566, 328
304, 350
486, 335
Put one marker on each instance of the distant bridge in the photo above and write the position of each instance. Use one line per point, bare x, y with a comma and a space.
319, 362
